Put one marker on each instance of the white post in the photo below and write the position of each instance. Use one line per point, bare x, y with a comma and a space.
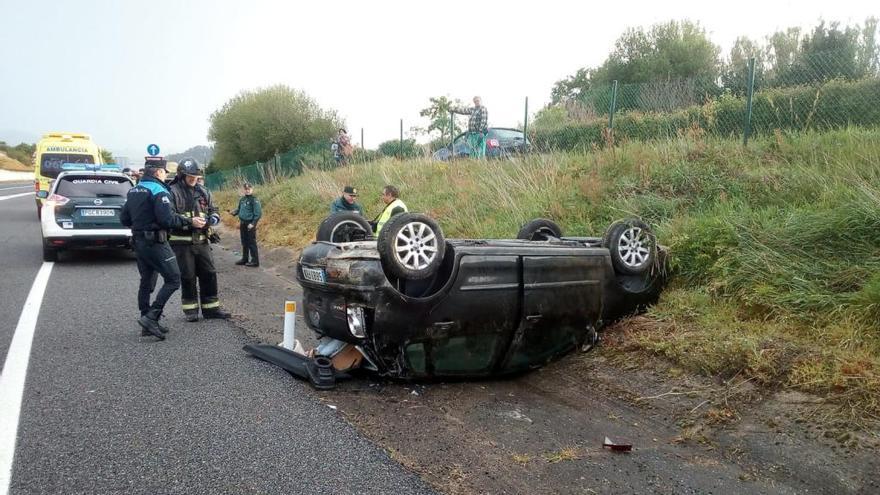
289, 325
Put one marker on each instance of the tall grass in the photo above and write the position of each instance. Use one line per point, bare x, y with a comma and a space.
776, 248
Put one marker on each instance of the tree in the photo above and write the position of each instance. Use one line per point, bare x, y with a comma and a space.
107, 156
869, 51
735, 73
439, 118
572, 87
255, 125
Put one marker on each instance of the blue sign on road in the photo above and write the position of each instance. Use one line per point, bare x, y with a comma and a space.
153, 149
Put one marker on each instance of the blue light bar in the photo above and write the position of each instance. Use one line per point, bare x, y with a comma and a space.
94, 167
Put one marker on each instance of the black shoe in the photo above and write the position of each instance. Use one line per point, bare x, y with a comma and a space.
191, 317
241, 262
150, 323
162, 328
252, 263
216, 314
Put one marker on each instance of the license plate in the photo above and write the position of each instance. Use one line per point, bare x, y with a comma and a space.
314, 274
96, 213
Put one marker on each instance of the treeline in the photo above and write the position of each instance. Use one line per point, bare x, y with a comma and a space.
22, 152
679, 50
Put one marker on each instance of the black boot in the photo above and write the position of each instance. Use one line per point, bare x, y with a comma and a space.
191, 317
216, 314
162, 328
150, 323
241, 262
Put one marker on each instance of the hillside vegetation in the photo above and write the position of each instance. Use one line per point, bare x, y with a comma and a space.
776, 247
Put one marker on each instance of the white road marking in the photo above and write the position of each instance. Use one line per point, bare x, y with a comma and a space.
14, 373
16, 187
16, 196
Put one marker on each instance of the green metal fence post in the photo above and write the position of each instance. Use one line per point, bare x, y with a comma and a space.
613, 107
747, 120
400, 149
526, 122
451, 129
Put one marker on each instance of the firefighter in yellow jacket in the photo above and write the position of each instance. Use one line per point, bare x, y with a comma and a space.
191, 244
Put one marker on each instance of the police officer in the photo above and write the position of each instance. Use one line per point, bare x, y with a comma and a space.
191, 243
149, 213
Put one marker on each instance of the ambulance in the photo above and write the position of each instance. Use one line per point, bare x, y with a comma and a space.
54, 150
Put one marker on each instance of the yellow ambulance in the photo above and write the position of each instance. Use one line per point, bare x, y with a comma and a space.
54, 150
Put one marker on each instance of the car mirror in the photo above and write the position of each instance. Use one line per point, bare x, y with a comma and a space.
42, 194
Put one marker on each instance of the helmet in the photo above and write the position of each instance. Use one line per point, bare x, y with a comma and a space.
189, 166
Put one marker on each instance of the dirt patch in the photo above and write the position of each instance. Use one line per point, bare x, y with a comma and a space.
542, 432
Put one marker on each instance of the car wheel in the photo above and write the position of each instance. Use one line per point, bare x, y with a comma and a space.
632, 245
50, 254
411, 246
539, 229
344, 227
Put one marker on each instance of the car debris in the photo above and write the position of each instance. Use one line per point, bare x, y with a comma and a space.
413, 305
616, 447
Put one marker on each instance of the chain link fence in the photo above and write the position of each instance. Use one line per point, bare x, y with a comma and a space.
820, 92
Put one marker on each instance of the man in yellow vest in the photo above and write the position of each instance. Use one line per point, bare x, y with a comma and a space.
393, 206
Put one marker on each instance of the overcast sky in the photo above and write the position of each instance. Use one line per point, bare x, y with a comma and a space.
135, 72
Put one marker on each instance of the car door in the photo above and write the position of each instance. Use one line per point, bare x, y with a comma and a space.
561, 298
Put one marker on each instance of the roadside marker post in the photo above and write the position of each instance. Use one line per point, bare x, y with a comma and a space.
289, 341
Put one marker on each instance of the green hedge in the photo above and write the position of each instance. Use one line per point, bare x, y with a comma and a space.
832, 105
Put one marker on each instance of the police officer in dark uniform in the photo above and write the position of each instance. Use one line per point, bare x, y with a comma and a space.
149, 212
191, 243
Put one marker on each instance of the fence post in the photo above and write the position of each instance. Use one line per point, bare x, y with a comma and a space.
451, 129
400, 148
526, 123
613, 107
750, 83
362, 139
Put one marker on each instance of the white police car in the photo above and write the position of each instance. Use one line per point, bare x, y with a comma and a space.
82, 209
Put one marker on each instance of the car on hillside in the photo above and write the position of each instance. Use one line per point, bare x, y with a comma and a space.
411, 304
501, 142
82, 207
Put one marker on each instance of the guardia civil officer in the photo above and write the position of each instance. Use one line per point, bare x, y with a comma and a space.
190, 243
150, 215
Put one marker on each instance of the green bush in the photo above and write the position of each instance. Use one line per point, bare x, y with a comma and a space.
394, 148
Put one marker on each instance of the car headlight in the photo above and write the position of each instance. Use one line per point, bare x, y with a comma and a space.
356, 323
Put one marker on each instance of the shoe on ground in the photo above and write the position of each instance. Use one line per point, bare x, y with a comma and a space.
191, 317
251, 263
217, 314
162, 328
241, 262
150, 323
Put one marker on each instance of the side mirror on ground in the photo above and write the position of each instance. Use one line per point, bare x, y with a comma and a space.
42, 194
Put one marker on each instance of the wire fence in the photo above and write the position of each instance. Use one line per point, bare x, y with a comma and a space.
820, 92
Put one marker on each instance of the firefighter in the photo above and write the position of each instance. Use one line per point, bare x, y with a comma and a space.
191, 244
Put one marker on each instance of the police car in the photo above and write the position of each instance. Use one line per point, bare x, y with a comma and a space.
82, 209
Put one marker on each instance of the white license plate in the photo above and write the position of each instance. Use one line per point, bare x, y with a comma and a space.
313, 274
96, 213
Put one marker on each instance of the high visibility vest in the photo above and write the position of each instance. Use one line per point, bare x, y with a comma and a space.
386, 214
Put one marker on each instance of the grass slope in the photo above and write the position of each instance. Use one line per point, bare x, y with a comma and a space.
776, 247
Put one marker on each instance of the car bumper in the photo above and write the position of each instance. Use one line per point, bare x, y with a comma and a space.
57, 237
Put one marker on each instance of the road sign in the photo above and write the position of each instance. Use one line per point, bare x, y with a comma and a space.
153, 149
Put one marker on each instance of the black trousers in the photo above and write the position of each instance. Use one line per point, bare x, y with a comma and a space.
248, 243
198, 278
155, 259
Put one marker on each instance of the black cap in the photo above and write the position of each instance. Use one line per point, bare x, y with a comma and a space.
155, 162
350, 190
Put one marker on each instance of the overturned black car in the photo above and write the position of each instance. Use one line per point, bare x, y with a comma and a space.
410, 304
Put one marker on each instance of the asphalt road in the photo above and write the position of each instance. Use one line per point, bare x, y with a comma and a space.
107, 411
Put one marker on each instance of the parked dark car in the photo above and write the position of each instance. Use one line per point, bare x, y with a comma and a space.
413, 305
500, 142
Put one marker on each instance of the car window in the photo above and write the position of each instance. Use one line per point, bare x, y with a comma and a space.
461, 146
50, 163
93, 187
505, 134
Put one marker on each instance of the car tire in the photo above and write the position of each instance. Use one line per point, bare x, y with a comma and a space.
539, 229
632, 245
344, 227
411, 246
50, 254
